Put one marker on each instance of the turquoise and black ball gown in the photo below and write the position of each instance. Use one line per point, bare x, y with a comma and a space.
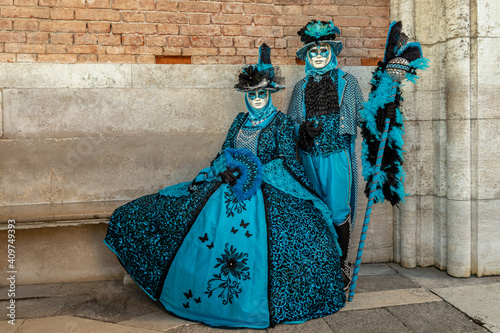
208, 257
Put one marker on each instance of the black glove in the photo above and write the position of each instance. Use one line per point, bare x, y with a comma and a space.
312, 131
390, 110
228, 176
307, 133
193, 187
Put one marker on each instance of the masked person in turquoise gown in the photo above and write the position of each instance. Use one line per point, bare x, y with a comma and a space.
325, 107
247, 243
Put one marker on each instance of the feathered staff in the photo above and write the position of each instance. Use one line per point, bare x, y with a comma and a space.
383, 172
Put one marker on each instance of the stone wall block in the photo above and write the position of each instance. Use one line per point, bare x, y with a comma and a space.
458, 160
488, 241
488, 73
406, 219
440, 235
433, 84
404, 10
459, 238
67, 113
411, 150
488, 163
458, 78
140, 165
46, 75
458, 20
425, 159
407, 225
410, 109
439, 130
432, 78
42, 255
432, 30
439, 104
24, 177
425, 231
487, 18
99, 169
423, 105
192, 76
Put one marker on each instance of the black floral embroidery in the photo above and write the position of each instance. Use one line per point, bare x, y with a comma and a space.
233, 270
233, 204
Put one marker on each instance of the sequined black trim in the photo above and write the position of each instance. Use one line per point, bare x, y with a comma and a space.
269, 262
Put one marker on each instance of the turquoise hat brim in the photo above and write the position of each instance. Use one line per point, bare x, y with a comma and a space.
336, 48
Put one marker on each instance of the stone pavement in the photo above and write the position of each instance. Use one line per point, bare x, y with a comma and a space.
388, 298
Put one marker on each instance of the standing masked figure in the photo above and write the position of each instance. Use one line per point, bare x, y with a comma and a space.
325, 107
248, 243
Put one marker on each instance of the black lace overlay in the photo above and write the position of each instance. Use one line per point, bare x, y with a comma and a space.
321, 95
304, 281
233, 130
156, 225
268, 140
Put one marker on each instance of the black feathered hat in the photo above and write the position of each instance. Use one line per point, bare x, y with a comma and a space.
262, 75
318, 32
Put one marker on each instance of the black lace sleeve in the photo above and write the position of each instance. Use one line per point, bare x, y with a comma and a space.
295, 108
286, 147
233, 130
231, 134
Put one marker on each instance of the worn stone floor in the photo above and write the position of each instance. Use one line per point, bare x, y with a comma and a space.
388, 298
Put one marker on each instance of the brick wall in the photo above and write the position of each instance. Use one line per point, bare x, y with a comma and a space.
167, 31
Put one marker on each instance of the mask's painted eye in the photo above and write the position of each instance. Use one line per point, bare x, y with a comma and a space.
262, 94
324, 52
252, 95
313, 52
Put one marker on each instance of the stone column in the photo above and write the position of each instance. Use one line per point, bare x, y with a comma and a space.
458, 97
452, 139
485, 138
405, 229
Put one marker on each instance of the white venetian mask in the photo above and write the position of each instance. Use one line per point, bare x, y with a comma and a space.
320, 55
258, 99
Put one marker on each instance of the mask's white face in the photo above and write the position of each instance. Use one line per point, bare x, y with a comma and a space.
320, 55
258, 99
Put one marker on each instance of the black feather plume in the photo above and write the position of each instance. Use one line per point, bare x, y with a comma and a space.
412, 52
392, 41
265, 54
